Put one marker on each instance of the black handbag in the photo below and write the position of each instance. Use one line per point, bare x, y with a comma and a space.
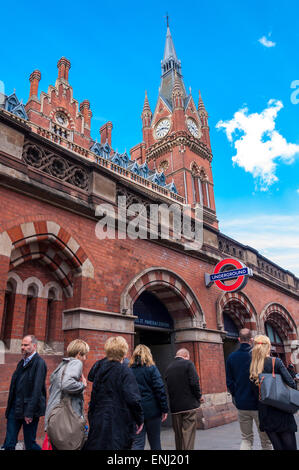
274, 392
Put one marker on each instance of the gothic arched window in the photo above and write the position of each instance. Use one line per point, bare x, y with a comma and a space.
50, 321
30, 310
7, 319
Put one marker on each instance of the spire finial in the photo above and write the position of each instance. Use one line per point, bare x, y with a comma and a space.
167, 20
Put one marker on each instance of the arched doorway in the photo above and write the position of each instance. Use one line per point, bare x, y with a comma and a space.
168, 314
154, 327
39, 253
230, 342
234, 312
277, 347
281, 329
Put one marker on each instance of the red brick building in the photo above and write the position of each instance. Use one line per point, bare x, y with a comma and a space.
60, 281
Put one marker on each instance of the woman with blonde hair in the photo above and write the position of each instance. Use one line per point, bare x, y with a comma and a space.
115, 412
68, 379
153, 397
279, 425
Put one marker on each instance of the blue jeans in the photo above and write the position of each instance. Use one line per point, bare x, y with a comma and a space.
151, 427
12, 431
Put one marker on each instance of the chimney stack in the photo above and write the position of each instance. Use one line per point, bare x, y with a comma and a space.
85, 110
34, 82
64, 66
106, 131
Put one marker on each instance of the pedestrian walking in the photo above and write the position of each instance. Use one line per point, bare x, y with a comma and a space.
244, 398
153, 397
115, 414
68, 380
279, 425
184, 398
27, 397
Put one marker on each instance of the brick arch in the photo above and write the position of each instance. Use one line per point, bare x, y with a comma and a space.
50, 243
170, 288
52, 285
240, 308
67, 113
282, 320
17, 281
33, 281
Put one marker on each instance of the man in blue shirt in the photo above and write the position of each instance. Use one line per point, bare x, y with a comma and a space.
240, 387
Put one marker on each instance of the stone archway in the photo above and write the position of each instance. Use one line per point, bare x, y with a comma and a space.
174, 292
240, 308
55, 250
234, 312
277, 316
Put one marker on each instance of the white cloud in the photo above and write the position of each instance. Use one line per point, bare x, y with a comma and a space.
258, 144
274, 236
266, 42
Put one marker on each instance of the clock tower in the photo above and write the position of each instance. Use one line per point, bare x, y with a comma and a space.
176, 137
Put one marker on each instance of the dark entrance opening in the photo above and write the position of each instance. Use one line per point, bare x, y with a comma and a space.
230, 342
154, 328
277, 347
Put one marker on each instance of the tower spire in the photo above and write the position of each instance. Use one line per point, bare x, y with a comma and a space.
169, 52
170, 65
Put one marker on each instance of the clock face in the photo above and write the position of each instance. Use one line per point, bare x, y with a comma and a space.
193, 128
61, 119
162, 128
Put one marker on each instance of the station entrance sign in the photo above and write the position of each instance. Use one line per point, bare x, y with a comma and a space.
226, 270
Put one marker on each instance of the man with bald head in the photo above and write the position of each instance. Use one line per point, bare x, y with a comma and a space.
240, 387
184, 396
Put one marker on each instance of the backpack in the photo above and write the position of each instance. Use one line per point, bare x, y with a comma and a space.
66, 429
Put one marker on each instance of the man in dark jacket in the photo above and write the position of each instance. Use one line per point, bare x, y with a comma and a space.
27, 397
240, 387
184, 396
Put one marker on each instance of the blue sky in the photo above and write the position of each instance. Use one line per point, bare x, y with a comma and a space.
242, 55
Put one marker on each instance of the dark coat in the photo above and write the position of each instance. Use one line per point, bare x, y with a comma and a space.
152, 390
237, 378
114, 408
28, 389
270, 418
183, 385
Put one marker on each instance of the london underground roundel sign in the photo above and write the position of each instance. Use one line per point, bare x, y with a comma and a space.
226, 270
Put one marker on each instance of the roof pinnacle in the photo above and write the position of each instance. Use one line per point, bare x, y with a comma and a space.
146, 106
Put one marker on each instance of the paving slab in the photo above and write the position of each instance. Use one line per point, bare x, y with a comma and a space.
226, 437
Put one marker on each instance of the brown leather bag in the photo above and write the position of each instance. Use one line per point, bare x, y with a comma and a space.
66, 429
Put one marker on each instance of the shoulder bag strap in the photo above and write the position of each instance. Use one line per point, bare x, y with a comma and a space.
62, 375
273, 366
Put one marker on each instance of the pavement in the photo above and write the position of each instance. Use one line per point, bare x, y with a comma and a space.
226, 437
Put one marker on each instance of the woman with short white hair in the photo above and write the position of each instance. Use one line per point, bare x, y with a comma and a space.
68, 379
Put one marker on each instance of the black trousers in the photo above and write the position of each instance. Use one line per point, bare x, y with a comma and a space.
283, 440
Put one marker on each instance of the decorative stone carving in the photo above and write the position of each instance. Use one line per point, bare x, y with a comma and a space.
55, 165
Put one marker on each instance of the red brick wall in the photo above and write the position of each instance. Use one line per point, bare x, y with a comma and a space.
116, 263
